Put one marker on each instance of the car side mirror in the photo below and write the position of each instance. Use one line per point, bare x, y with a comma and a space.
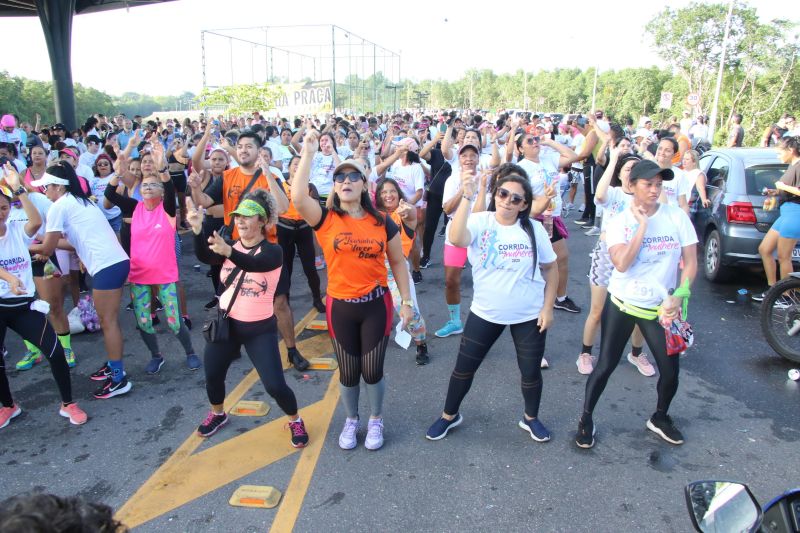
722, 506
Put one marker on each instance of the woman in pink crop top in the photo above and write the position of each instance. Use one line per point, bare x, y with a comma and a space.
252, 321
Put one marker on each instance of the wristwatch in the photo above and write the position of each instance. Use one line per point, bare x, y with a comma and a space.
21, 190
409, 303
162, 170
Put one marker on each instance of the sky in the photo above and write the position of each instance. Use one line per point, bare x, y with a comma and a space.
157, 49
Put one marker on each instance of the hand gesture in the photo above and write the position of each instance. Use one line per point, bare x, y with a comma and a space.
311, 142
639, 213
706, 202
468, 183
616, 153
12, 177
16, 286
401, 150
135, 140
218, 245
194, 181
194, 216
550, 190
484, 179
545, 319
404, 209
157, 151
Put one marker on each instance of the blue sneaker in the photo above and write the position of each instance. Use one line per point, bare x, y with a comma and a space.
451, 328
193, 362
154, 365
440, 428
70, 356
535, 427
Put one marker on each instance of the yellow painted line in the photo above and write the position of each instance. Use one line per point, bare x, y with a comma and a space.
295, 493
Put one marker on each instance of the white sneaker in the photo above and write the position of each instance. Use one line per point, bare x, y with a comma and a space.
347, 438
582, 207
544, 363
374, 438
593, 231
585, 363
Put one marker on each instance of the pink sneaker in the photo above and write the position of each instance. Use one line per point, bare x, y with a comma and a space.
642, 364
75, 414
7, 413
585, 364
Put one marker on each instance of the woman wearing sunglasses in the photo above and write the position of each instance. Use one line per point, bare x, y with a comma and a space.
103, 174
17, 297
154, 264
356, 238
515, 277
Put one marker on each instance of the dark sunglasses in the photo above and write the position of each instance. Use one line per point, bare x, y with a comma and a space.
505, 194
352, 177
532, 140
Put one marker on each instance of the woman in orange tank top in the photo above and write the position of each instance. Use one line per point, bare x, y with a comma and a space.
355, 239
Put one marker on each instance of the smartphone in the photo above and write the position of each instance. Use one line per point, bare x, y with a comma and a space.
443, 127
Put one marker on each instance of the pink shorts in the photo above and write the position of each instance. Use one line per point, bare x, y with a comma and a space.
454, 256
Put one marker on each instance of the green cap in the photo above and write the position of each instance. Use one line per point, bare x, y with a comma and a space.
249, 208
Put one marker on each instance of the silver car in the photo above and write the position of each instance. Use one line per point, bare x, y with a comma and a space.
732, 227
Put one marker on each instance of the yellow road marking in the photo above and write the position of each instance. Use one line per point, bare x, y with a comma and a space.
295, 493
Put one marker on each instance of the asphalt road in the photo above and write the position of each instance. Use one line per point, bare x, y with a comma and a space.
735, 406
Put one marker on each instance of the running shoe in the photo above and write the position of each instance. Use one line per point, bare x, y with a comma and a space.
585, 363
111, 389
29, 360
665, 428
416, 277
211, 304
70, 355
451, 328
538, 432
642, 364
593, 231
5, 352
154, 365
193, 362
374, 439
319, 305
582, 208
567, 305
425, 262
544, 363
439, 429
7, 413
212, 423
156, 320
347, 438
584, 437
75, 414
297, 360
582, 222
759, 297
422, 354
102, 374
187, 322
299, 433
129, 307
319, 262
158, 305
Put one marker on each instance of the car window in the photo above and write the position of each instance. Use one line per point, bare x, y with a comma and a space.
717, 174
757, 177
704, 163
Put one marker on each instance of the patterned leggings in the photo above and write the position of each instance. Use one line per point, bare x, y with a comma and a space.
417, 325
143, 310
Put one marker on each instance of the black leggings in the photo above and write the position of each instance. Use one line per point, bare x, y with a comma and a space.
589, 208
301, 240
616, 328
432, 214
210, 225
34, 328
478, 337
260, 339
360, 333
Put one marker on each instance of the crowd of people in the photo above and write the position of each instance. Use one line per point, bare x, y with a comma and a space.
108, 206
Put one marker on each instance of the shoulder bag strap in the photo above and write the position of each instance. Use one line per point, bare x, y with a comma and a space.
230, 279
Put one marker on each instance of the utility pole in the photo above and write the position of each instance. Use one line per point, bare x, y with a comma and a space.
394, 88
712, 123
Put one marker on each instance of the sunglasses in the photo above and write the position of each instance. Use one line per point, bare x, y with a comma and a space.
352, 177
151, 186
532, 140
505, 194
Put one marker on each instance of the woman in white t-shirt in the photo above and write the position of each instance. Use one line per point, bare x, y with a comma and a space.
85, 228
613, 195
18, 310
646, 243
515, 277
697, 180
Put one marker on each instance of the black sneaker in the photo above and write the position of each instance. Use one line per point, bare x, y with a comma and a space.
188, 322
759, 297
425, 262
567, 305
111, 389
422, 354
299, 433
156, 320
129, 307
212, 304
440, 428
158, 305
299, 362
211, 424
102, 374
664, 428
319, 305
416, 276
584, 437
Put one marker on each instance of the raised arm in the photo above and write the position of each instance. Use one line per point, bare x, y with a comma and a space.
308, 208
457, 230
34, 218
199, 158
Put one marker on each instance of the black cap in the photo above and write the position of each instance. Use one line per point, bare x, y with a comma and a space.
59, 126
647, 169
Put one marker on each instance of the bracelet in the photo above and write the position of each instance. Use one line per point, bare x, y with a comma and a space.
463, 197
409, 303
163, 170
21, 190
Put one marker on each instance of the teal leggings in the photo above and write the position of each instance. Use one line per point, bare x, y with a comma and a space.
143, 310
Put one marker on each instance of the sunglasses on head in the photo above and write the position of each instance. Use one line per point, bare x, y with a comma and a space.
352, 177
533, 140
514, 198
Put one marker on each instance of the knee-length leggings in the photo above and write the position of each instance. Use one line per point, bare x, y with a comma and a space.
260, 339
476, 341
34, 328
616, 328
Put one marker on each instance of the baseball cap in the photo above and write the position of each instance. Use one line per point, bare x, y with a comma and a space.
642, 132
647, 169
351, 163
581, 121
69, 152
59, 126
8, 121
468, 147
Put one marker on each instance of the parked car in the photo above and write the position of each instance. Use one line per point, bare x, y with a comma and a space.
732, 227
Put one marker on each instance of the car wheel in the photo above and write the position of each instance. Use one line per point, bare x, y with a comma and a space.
715, 271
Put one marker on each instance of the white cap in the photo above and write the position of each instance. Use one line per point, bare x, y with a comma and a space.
49, 179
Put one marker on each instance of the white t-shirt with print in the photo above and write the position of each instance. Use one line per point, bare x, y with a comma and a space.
15, 258
98, 187
676, 187
507, 288
654, 271
451, 186
410, 178
545, 171
42, 205
88, 231
321, 177
616, 201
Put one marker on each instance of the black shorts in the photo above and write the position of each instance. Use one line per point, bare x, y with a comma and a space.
179, 180
37, 267
557, 236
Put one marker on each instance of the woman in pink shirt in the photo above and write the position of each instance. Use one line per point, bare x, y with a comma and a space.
154, 262
251, 268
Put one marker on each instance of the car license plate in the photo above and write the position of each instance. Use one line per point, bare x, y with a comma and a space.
796, 253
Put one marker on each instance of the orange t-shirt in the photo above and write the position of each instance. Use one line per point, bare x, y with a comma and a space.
676, 159
234, 182
355, 251
291, 213
406, 234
